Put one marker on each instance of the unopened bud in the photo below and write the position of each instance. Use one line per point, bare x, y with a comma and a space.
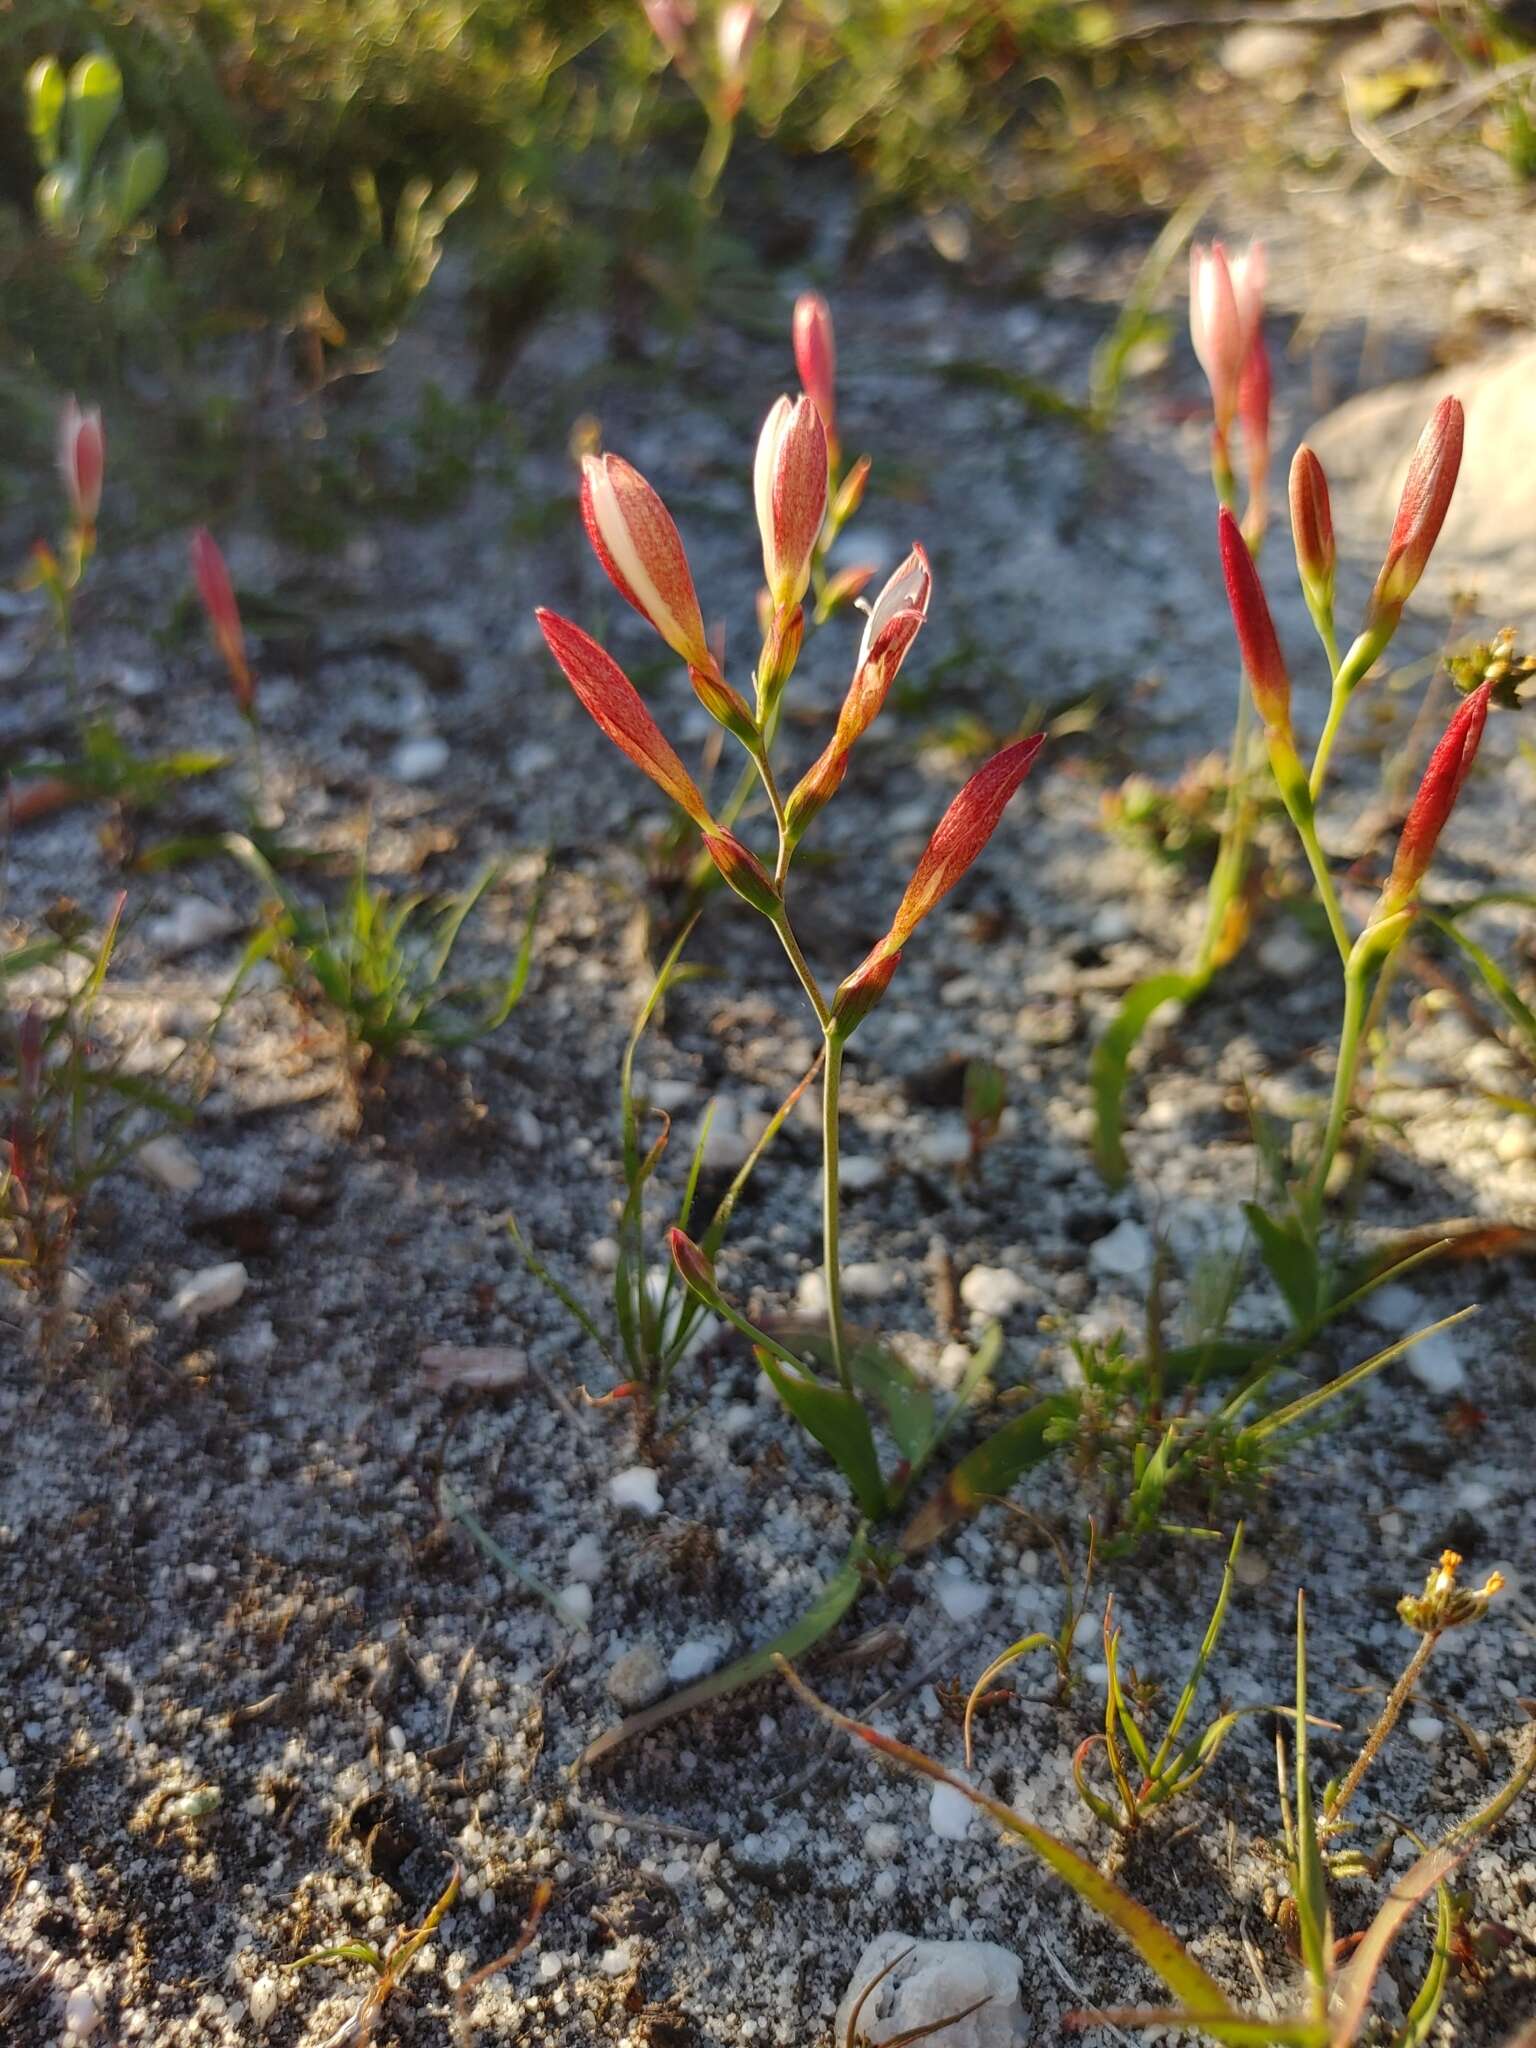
1263, 663
816, 360
1447, 769
743, 872
1317, 553
781, 650
1421, 512
789, 482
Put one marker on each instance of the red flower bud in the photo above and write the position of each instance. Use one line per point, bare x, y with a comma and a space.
633, 536
217, 593
816, 360
615, 704
695, 1269
1263, 663
726, 706
893, 624
1447, 770
743, 872
958, 838
789, 482
1421, 510
1312, 529
82, 462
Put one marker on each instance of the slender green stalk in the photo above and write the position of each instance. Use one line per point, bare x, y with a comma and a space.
1232, 854
1350, 1035
803, 973
831, 1082
1327, 895
713, 157
1336, 708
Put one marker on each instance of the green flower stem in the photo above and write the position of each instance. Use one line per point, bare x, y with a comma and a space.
1232, 853
1346, 678
831, 1083
1317, 861
803, 974
1356, 978
714, 156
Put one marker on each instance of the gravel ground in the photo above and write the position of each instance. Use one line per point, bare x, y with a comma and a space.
258, 1693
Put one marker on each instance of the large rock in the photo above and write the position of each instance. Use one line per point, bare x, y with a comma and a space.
1489, 542
933, 1981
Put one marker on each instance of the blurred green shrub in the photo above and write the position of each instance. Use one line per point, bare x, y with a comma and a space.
296, 162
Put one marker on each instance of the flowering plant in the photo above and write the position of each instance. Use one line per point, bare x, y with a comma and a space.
1289, 1243
799, 504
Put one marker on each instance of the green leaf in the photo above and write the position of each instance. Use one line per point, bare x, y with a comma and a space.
904, 1400
1291, 1261
989, 1470
135, 178
95, 93
837, 1422
1111, 1060
1232, 2032
45, 108
1157, 1947
58, 201
836, 1596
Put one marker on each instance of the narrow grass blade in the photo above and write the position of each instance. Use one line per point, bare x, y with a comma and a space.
1492, 975
1231, 2031
567, 1300
1426, 2005
1353, 1996
1112, 1057
1159, 1949
1307, 1404
988, 1471
1203, 1657
830, 1605
456, 1509
1309, 1881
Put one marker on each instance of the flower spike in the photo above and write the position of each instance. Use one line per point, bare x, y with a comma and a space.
615, 704
789, 482
816, 360
82, 462
1263, 663
211, 574
633, 536
1421, 511
1444, 775
958, 838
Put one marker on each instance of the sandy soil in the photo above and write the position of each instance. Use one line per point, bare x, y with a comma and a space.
258, 1692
